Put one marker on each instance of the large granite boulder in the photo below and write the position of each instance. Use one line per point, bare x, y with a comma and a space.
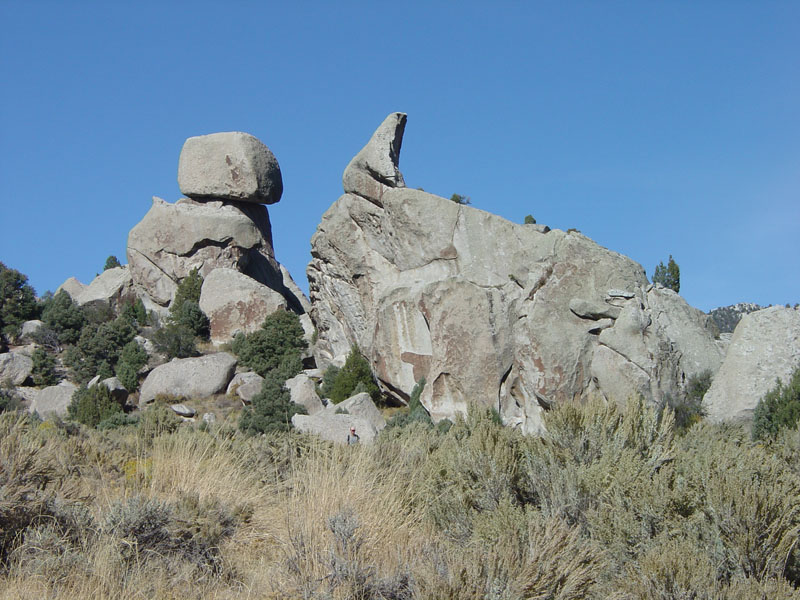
514, 317
29, 329
303, 391
189, 377
112, 287
335, 427
53, 400
15, 367
765, 347
236, 303
230, 166
73, 287
173, 239
362, 406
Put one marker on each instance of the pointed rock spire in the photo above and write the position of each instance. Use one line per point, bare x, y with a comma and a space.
375, 167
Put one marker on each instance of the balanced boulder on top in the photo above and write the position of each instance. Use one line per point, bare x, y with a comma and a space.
229, 166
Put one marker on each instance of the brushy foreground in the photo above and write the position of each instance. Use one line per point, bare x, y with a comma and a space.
610, 504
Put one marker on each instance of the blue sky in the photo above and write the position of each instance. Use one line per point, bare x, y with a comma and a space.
654, 128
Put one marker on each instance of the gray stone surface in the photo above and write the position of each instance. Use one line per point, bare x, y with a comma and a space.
112, 287
15, 367
30, 327
303, 391
245, 386
765, 347
189, 377
480, 307
183, 411
173, 239
334, 428
376, 167
209, 418
53, 400
73, 287
118, 391
593, 310
362, 406
236, 303
230, 165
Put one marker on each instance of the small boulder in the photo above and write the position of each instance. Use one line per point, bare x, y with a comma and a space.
15, 367
334, 428
112, 287
231, 166
53, 400
209, 418
29, 328
586, 309
303, 391
236, 303
189, 377
246, 386
118, 391
362, 406
183, 411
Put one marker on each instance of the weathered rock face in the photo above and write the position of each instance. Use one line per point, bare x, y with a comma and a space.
112, 287
230, 166
334, 428
236, 303
173, 239
765, 347
512, 316
375, 168
189, 377
53, 400
15, 367
361, 406
303, 391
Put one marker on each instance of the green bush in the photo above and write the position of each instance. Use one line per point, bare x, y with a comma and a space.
529, 220
176, 341
118, 420
459, 199
9, 401
44, 368
111, 263
778, 409
157, 419
356, 370
62, 315
98, 350
135, 313
17, 301
272, 409
132, 358
188, 289
416, 412
280, 338
189, 315
92, 405
669, 276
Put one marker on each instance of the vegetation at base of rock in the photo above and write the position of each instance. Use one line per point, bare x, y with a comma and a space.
92, 405
8, 398
111, 263
778, 409
274, 353
61, 314
17, 301
271, 410
176, 341
415, 413
44, 368
132, 358
688, 408
135, 313
184, 311
459, 199
280, 339
529, 220
356, 373
669, 276
728, 317
609, 504
98, 350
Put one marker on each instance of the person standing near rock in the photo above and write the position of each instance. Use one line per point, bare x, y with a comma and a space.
352, 437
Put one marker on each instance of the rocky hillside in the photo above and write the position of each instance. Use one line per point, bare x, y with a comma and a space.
518, 317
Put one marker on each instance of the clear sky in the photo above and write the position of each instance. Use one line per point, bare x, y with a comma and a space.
654, 128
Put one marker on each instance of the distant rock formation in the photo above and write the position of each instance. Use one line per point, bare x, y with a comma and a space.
765, 347
513, 317
727, 318
223, 230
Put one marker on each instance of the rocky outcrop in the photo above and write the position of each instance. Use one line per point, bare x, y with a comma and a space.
765, 347
361, 406
302, 391
236, 303
15, 367
245, 386
73, 287
335, 427
514, 317
112, 287
189, 377
230, 166
114, 385
29, 329
53, 400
